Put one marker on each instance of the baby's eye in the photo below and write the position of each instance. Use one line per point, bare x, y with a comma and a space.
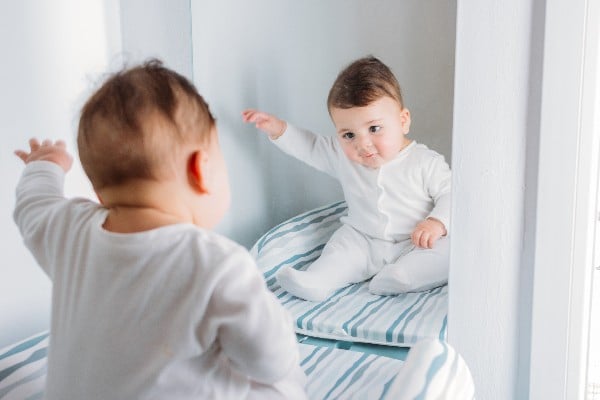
374, 128
348, 135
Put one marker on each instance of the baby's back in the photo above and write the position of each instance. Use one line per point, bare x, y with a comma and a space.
132, 317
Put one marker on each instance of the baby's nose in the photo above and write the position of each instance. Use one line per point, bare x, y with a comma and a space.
364, 142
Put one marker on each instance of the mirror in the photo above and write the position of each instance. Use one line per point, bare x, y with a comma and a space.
282, 57
278, 56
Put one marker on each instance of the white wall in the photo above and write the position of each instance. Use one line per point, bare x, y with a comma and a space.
52, 52
160, 29
566, 204
282, 57
495, 144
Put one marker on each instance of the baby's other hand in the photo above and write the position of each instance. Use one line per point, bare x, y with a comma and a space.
427, 232
48, 150
273, 126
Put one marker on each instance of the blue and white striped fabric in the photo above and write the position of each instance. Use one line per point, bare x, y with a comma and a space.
433, 370
342, 374
23, 369
332, 373
352, 313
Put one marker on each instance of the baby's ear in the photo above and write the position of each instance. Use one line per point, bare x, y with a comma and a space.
197, 171
405, 119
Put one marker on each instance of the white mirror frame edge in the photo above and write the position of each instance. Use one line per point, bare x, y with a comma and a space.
567, 180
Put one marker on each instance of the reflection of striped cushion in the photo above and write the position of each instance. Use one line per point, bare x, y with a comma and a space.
343, 374
351, 313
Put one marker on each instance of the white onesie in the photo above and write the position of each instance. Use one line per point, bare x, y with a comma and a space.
384, 207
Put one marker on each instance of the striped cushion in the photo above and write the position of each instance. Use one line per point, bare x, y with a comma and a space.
352, 313
433, 370
23, 368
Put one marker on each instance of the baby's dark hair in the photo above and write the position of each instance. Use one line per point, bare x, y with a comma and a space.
137, 122
362, 82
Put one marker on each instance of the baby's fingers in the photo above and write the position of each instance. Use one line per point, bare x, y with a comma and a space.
34, 144
416, 237
424, 241
431, 238
22, 155
423, 238
248, 115
254, 116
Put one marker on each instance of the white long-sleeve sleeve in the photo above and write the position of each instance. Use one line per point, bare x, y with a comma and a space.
255, 332
44, 216
438, 178
320, 152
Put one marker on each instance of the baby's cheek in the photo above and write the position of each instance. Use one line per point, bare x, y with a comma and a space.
385, 149
350, 152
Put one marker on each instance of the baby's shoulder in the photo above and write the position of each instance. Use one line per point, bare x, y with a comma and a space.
422, 150
216, 245
215, 251
421, 154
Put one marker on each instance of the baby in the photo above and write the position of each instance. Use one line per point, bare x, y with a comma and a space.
397, 191
147, 301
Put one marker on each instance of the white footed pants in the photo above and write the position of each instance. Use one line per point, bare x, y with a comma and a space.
350, 256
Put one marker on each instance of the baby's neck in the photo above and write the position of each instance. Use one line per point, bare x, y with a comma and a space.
143, 205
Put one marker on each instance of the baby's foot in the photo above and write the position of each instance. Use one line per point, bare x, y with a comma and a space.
303, 284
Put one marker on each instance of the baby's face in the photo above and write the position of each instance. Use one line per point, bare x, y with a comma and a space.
374, 134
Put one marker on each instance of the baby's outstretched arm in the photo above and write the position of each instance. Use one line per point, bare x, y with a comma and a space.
42, 213
427, 232
48, 150
273, 126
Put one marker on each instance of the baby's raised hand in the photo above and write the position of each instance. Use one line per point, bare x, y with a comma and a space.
427, 232
48, 150
273, 126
